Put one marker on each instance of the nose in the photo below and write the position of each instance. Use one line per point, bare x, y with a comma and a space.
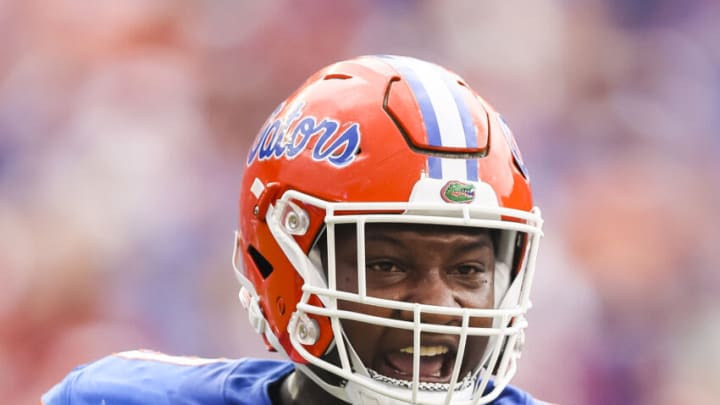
431, 289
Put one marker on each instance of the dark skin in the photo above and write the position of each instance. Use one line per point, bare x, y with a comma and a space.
428, 264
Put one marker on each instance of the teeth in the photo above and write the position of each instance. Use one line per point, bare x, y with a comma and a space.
426, 350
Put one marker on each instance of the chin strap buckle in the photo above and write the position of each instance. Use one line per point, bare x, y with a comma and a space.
305, 329
255, 315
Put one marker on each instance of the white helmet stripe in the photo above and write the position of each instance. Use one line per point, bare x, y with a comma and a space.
445, 114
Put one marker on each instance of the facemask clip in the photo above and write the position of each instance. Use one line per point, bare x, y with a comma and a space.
307, 330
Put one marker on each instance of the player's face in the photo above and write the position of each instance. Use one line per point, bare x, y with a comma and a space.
427, 264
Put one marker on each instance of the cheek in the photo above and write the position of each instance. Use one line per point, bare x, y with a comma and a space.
346, 278
483, 298
346, 283
478, 322
474, 351
364, 337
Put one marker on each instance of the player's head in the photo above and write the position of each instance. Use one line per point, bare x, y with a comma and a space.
388, 235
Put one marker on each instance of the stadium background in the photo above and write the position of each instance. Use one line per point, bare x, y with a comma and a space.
123, 133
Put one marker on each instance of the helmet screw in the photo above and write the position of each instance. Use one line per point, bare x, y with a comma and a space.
292, 221
307, 330
256, 210
295, 220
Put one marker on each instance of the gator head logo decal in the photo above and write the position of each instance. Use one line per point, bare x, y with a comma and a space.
458, 192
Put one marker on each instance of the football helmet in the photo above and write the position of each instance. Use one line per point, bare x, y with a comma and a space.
382, 139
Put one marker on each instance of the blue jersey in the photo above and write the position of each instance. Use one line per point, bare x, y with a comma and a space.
145, 377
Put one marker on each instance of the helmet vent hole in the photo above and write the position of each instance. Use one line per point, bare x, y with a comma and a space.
340, 76
261, 263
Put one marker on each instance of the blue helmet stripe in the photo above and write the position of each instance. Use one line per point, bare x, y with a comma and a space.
445, 113
426, 110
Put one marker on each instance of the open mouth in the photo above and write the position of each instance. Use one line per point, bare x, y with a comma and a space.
436, 363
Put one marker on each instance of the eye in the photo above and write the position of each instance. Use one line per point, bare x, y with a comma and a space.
384, 266
469, 269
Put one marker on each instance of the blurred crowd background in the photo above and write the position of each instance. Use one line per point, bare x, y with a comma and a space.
124, 128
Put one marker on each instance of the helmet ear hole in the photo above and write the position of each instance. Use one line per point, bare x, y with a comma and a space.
261, 263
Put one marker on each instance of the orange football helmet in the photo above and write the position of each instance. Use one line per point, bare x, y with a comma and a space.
381, 139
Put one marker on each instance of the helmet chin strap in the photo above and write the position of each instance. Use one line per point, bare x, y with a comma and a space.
506, 293
501, 283
506, 297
